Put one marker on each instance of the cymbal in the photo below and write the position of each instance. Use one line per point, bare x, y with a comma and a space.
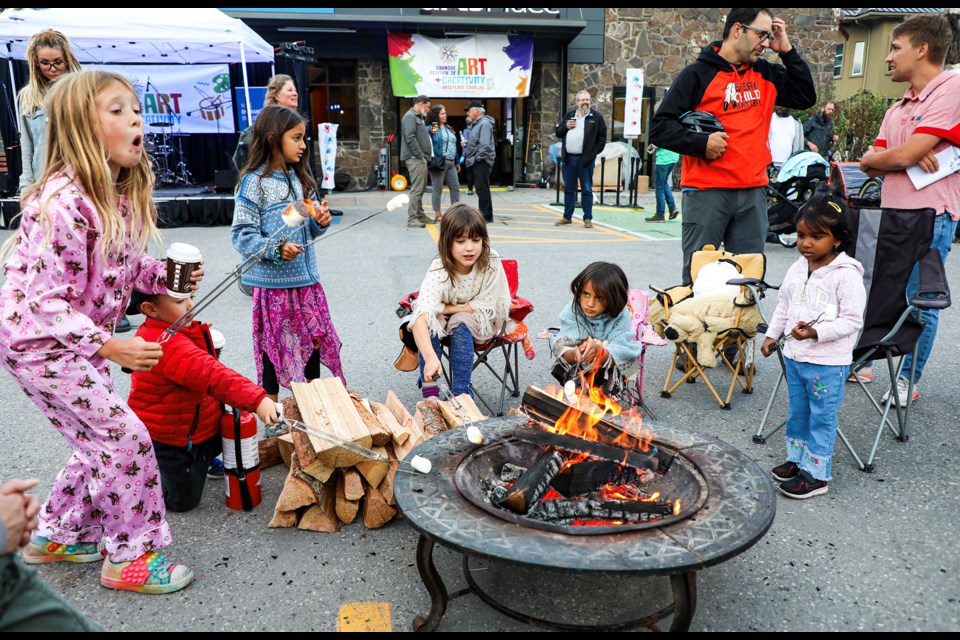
161, 124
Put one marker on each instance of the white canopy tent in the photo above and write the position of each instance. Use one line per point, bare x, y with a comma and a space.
169, 35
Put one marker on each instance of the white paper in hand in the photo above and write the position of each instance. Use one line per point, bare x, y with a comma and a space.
949, 161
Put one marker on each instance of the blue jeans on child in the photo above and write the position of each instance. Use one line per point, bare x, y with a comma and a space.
943, 231
461, 359
816, 393
663, 188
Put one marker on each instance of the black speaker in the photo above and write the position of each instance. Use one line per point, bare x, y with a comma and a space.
225, 180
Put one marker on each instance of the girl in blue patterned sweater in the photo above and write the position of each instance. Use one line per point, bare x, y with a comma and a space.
596, 331
292, 330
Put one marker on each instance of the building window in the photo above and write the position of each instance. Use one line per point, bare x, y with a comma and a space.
333, 97
858, 50
838, 62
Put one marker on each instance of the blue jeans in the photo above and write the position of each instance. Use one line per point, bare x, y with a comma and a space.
816, 393
461, 359
663, 188
572, 172
943, 231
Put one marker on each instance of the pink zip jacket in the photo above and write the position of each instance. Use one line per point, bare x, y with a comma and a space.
803, 296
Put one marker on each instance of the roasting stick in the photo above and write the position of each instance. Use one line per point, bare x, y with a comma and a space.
419, 463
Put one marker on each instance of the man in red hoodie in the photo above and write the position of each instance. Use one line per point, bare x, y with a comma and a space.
725, 173
179, 400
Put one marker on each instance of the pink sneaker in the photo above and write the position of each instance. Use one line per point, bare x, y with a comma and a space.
40, 550
150, 573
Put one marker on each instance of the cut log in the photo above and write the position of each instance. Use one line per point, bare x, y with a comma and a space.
376, 511
530, 487
455, 417
396, 407
386, 485
373, 471
417, 436
290, 409
323, 515
346, 509
329, 408
310, 464
296, 492
379, 434
432, 419
285, 444
647, 461
270, 452
385, 416
352, 484
284, 519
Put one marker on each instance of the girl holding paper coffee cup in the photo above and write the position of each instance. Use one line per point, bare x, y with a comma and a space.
293, 333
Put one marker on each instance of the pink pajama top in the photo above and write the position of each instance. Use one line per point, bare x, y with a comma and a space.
60, 292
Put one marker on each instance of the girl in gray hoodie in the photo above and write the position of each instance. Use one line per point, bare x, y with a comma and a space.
817, 321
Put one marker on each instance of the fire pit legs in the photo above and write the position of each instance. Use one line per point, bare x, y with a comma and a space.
434, 584
684, 600
684, 586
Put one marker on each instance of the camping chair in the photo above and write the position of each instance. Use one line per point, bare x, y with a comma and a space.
733, 345
888, 243
506, 343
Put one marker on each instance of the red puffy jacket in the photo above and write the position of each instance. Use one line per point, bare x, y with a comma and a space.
179, 399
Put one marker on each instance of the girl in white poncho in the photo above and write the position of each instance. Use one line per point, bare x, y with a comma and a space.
464, 297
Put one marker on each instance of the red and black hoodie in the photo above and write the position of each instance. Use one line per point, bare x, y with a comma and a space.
742, 97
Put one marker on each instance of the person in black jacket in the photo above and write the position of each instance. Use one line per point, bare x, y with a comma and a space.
584, 134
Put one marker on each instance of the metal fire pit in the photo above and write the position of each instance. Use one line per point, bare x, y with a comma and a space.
739, 507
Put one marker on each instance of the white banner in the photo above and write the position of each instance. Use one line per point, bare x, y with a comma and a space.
481, 66
327, 142
181, 98
633, 109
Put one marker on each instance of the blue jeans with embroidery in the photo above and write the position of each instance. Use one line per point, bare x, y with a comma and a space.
816, 393
461, 360
943, 231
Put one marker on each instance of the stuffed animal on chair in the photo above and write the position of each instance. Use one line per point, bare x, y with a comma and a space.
700, 320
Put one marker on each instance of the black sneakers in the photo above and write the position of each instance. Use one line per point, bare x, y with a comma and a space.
655, 218
803, 486
786, 471
674, 214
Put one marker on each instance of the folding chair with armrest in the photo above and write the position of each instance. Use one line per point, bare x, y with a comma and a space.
888, 243
507, 342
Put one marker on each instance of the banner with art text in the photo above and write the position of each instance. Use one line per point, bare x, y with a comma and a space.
181, 98
481, 66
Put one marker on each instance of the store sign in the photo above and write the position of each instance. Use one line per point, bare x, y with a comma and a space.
519, 12
633, 109
181, 98
481, 66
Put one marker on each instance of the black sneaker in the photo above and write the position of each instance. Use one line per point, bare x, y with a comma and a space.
656, 218
786, 471
674, 214
803, 486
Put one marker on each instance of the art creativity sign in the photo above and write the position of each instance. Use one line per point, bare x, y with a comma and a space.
633, 109
481, 66
189, 98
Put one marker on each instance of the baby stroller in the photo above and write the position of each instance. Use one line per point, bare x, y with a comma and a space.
788, 190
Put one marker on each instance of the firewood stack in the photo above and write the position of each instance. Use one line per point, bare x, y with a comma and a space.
328, 485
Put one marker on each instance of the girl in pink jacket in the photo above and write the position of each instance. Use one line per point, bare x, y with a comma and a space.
818, 320
79, 253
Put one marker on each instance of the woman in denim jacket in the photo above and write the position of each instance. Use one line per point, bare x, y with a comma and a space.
444, 146
49, 57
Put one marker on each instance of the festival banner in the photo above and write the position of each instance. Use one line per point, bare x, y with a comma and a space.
181, 98
481, 66
633, 109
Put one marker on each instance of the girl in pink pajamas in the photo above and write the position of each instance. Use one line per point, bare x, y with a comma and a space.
80, 251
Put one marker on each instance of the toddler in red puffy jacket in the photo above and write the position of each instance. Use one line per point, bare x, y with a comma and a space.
180, 399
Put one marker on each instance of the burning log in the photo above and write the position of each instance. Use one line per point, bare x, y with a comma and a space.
640, 460
567, 511
533, 484
590, 475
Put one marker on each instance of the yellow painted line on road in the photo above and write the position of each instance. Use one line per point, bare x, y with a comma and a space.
598, 225
515, 240
434, 230
364, 617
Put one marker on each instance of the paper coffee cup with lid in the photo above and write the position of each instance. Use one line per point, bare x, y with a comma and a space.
182, 260
218, 341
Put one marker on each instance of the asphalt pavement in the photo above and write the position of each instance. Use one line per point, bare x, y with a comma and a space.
876, 553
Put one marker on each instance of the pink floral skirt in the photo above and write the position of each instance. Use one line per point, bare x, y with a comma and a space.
288, 326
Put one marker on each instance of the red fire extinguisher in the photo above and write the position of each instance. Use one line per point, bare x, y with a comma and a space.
241, 459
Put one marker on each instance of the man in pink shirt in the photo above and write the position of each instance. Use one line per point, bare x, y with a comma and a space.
914, 130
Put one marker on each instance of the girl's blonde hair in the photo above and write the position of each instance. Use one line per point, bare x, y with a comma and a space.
462, 221
75, 140
31, 96
274, 86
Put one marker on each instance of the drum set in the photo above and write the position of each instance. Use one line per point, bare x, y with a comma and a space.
165, 150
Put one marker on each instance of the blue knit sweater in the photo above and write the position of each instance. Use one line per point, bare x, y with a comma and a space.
257, 215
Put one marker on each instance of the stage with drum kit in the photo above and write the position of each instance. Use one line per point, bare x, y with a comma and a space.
180, 201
